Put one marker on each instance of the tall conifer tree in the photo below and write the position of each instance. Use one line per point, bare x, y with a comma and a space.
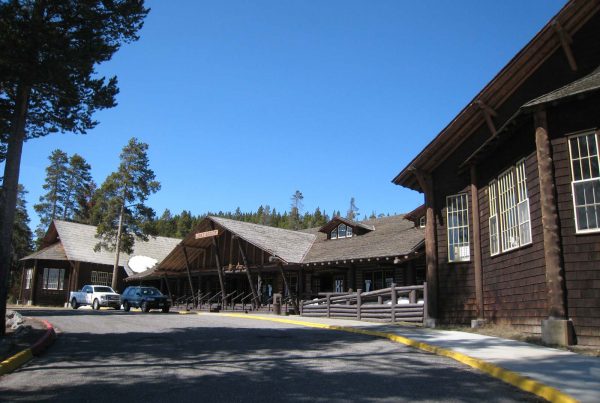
48, 81
121, 208
51, 204
77, 185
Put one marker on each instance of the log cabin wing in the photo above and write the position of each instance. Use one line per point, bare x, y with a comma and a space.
512, 192
66, 261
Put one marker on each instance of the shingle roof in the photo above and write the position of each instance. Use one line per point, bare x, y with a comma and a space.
291, 246
393, 236
591, 82
77, 242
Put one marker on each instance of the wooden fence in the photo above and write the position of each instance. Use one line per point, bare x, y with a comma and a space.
394, 304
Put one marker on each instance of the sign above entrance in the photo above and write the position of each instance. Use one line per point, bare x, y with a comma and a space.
207, 234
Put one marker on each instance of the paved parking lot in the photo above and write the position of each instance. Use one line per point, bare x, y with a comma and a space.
117, 356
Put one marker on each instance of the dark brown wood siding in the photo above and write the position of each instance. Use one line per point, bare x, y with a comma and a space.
581, 252
514, 282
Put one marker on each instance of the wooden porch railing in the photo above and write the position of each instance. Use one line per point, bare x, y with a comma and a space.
394, 304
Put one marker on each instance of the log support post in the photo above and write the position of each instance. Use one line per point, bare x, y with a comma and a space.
189, 274
329, 305
215, 245
168, 288
565, 43
426, 182
34, 279
557, 329
358, 303
394, 302
255, 300
477, 262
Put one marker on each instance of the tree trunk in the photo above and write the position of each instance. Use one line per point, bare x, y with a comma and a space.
118, 251
10, 189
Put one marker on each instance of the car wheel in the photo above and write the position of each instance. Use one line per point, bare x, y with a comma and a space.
126, 306
145, 307
165, 309
74, 304
96, 305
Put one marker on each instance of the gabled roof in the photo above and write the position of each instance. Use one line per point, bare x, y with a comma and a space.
574, 15
290, 246
393, 236
76, 242
335, 221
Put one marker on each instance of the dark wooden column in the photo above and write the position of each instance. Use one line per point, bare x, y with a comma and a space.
255, 300
555, 281
34, 279
477, 244
426, 182
215, 244
189, 274
352, 277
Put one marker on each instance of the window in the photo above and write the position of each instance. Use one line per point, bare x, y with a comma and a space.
458, 228
494, 244
585, 184
101, 278
54, 279
422, 222
510, 219
341, 231
376, 280
28, 278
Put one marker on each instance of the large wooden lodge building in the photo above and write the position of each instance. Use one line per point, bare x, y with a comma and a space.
512, 191
233, 257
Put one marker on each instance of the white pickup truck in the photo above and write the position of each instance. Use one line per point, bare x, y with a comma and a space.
96, 296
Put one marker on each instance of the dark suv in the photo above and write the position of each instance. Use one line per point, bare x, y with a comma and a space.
145, 298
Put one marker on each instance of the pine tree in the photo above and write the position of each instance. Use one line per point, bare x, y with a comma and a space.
48, 81
77, 184
166, 224
352, 210
184, 224
296, 207
22, 241
86, 200
51, 204
121, 209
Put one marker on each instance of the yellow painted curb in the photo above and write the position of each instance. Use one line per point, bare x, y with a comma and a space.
526, 384
10, 364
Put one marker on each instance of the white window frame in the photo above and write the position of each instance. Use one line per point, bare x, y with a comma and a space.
594, 177
422, 222
28, 278
54, 279
509, 209
493, 220
334, 234
101, 278
453, 231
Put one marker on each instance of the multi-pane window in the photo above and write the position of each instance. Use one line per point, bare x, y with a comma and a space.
101, 278
458, 228
341, 231
510, 221
494, 239
28, 278
54, 279
586, 181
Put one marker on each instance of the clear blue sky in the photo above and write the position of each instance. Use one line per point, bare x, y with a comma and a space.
242, 103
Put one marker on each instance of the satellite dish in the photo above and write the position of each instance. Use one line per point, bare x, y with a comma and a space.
139, 263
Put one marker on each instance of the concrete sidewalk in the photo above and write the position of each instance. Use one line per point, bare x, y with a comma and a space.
570, 373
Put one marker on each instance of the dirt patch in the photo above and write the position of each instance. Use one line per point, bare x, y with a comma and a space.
29, 332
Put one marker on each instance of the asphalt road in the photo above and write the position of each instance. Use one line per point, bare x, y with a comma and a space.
110, 356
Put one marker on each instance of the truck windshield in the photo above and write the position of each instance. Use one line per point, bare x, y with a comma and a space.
103, 289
